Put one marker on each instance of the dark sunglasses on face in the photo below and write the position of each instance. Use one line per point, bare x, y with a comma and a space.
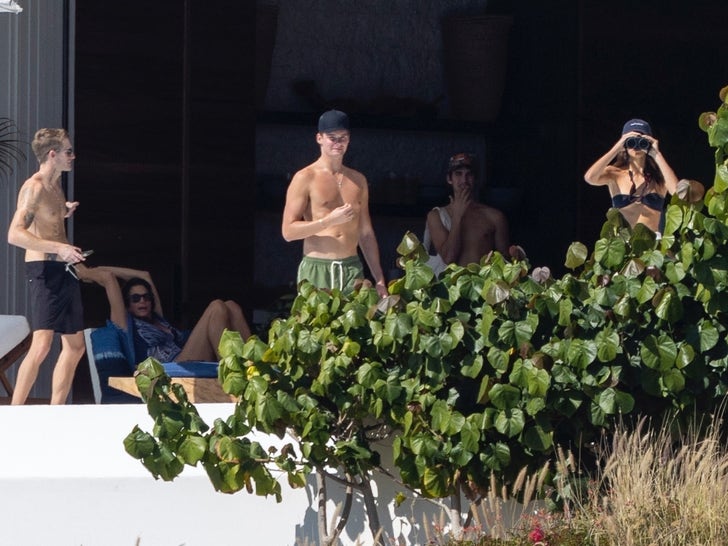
136, 298
342, 139
637, 143
72, 270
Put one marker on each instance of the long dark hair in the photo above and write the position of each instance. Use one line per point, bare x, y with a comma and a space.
131, 283
652, 171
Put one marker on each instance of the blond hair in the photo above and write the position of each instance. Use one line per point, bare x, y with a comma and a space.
46, 140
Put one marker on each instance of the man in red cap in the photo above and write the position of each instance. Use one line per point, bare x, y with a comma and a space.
327, 205
465, 230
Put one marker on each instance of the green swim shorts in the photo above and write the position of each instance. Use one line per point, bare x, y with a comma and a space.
325, 273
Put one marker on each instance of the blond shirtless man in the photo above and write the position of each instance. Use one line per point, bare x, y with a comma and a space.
327, 205
38, 226
465, 230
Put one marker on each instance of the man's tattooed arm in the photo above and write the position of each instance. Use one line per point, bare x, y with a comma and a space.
28, 203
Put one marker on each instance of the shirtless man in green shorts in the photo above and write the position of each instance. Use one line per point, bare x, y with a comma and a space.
327, 205
38, 226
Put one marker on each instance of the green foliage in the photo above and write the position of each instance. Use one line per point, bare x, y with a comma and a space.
10, 153
482, 370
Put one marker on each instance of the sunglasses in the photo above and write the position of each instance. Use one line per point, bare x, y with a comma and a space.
71, 268
637, 143
136, 298
342, 139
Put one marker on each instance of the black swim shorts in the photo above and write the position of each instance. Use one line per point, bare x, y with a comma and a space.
55, 298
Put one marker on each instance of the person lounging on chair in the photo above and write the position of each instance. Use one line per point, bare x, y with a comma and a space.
136, 313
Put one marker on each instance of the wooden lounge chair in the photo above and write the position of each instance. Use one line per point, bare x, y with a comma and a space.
15, 337
112, 369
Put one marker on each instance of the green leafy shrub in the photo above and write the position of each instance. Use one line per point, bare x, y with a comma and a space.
482, 370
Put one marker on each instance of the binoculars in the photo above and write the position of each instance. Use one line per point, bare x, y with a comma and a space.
637, 143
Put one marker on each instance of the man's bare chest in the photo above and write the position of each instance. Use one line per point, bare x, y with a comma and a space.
51, 207
477, 225
325, 194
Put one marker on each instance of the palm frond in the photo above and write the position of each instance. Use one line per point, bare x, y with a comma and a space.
10, 151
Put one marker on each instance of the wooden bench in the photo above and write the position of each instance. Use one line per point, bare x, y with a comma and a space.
112, 373
198, 389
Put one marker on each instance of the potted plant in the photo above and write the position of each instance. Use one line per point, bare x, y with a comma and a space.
475, 52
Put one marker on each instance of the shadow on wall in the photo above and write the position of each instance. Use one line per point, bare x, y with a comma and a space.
408, 523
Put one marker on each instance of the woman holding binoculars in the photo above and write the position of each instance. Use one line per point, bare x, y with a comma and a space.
637, 175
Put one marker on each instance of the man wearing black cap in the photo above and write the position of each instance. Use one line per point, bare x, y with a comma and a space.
327, 205
465, 230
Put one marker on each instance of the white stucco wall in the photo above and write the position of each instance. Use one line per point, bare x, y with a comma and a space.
65, 480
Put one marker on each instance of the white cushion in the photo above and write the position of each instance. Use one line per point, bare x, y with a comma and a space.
13, 330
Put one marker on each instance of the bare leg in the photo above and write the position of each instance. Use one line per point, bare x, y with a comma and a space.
72, 349
28, 369
205, 336
237, 319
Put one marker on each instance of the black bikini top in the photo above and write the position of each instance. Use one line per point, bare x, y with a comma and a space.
650, 199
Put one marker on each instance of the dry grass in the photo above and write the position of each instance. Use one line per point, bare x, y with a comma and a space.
656, 490
655, 487
498, 514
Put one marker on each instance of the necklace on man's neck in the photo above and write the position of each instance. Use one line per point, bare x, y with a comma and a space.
339, 177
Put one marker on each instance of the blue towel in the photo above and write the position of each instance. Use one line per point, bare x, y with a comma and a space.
113, 352
192, 368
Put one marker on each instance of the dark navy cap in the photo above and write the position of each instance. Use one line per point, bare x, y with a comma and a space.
638, 126
333, 120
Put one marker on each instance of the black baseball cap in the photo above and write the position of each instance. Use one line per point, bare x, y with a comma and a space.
333, 120
638, 126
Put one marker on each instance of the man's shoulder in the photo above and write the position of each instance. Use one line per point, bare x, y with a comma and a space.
348, 170
353, 174
490, 212
494, 213
440, 211
305, 174
36, 181
32, 188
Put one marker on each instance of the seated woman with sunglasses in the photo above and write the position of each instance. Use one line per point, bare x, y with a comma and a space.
637, 175
136, 309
